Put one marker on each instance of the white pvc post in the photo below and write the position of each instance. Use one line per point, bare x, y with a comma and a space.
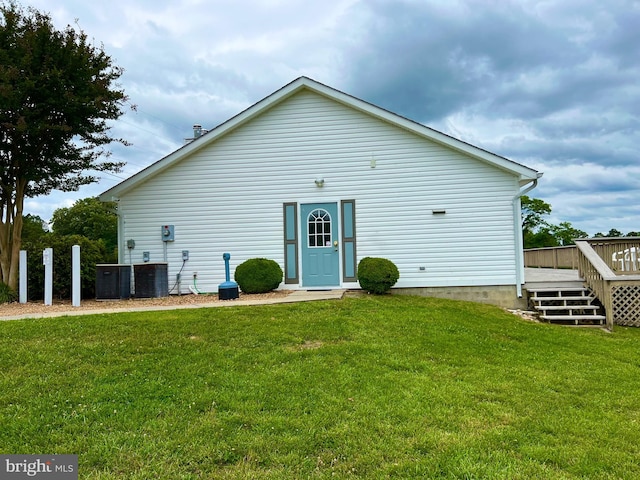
23, 276
75, 275
47, 260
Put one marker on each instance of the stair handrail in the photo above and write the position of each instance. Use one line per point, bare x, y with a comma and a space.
597, 275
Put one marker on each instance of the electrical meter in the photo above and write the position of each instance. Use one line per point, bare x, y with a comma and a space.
167, 233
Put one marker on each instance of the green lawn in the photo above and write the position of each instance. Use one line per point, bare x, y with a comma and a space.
368, 387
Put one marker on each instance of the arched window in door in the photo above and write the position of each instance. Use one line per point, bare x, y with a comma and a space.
319, 229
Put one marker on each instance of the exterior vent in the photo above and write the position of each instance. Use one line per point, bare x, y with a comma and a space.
198, 131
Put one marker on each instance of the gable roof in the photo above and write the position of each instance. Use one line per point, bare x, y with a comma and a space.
523, 173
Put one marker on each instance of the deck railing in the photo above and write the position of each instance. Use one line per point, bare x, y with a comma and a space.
610, 268
621, 254
552, 257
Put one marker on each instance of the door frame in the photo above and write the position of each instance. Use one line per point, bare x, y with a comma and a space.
293, 238
330, 248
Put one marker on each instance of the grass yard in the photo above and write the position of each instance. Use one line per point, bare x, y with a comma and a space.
368, 387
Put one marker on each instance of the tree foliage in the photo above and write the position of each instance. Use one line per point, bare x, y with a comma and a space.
57, 95
533, 209
33, 227
88, 223
7, 295
614, 232
542, 237
92, 252
565, 233
92, 219
538, 233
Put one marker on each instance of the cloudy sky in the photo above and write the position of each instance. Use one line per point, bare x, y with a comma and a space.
554, 85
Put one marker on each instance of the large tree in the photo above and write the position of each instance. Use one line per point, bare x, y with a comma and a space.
533, 209
92, 219
565, 233
58, 93
537, 232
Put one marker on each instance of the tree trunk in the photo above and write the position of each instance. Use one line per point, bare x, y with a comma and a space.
11, 236
5, 235
16, 240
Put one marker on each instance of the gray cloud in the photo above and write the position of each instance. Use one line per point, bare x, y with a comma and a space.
552, 85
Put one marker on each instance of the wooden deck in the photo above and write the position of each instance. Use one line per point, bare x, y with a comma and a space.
551, 277
609, 267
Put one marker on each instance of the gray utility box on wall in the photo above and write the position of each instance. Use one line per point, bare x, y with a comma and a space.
113, 281
151, 280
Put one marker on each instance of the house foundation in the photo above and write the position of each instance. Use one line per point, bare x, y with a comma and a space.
504, 296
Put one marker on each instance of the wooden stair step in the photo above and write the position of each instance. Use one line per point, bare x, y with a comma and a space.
564, 297
557, 289
563, 301
567, 307
573, 318
584, 301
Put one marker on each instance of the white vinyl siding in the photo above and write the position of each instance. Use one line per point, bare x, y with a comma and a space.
228, 197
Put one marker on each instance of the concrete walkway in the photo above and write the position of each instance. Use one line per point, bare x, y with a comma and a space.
293, 297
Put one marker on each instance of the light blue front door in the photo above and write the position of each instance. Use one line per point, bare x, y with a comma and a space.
320, 257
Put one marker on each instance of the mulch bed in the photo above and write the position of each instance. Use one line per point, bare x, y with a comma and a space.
15, 308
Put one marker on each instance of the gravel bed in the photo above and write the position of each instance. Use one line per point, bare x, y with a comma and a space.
15, 308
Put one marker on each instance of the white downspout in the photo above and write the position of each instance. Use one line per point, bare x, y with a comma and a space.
120, 236
517, 227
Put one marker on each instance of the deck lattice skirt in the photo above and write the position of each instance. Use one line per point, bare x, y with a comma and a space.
626, 305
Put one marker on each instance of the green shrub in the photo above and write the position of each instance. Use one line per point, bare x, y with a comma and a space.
377, 275
7, 295
92, 252
258, 275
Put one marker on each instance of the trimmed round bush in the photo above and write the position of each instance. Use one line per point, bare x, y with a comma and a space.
258, 275
377, 275
7, 295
